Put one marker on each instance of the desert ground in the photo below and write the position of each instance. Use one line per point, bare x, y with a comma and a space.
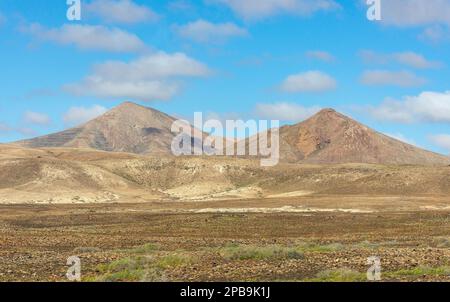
329, 240
141, 218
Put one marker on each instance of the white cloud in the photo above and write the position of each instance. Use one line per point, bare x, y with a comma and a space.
392, 78
88, 37
36, 118
408, 58
4, 128
79, 115
426, 107
152, 77
405, 13
285, 111
320, 55
435, 34
441, 140
310, 81
120, 11
260, 9
25, 131
181, 6
204, 31
415, 60
402, 138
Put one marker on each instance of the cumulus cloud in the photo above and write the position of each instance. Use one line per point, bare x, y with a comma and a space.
152, 77
433, 107
181, 6
435, 34
120, 11
441, 140
415, 60
205, 31
402, 138
79, 115
391, 78
36, 118
284, 111
408, 58
24, 131
260, 9
320, 55
88, 37
310, 81
434, 15
406, 13
4, 128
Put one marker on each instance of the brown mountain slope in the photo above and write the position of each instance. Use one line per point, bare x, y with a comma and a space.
127, 128
327, 137
67, 175
330, 137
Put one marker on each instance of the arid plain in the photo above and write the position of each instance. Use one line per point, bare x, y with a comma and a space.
110, 193
132, 218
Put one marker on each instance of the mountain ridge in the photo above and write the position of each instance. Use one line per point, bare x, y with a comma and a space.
331, 137
327, 137
128, 127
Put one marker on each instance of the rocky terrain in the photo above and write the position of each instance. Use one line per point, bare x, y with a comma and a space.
110, 193
165, 242
331, 137
62, 175
127, 128
327, 137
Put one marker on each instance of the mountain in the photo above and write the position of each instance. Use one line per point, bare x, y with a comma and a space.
126, 128
326, 138
331, 137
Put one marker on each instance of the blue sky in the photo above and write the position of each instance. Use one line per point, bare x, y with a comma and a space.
278, 59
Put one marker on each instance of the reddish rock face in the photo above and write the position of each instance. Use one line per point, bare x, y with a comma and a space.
327, 137
331, 137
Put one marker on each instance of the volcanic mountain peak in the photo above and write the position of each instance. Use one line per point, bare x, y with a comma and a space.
128, 127
327, 111
331, 137
327, 137
130, 113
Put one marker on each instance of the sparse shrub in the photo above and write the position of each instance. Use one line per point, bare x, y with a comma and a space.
324, 248
442, 242
153, 275
86, 250
421, 271
172, 260
339, 275
141, 268
122, 264
126, 269
125, 275
145, 249
252, 252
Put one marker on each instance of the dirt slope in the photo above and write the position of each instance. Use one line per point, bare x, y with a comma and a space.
330, 137
126, 128
63, 175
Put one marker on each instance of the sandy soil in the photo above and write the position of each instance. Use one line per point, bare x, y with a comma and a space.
35, 240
